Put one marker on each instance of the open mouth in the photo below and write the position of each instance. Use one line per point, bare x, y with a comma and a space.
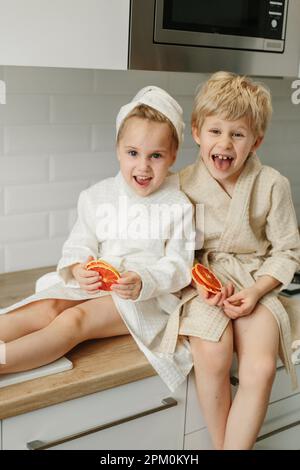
143, 180
222, 162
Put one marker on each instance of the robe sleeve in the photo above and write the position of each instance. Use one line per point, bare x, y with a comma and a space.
282, 232
82, 242
171, 272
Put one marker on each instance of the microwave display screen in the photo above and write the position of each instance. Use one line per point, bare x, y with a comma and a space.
252, 18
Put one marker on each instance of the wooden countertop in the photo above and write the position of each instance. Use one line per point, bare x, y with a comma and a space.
97, 364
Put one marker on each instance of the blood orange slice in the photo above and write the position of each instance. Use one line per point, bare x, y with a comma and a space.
101, 264
199, 281
107, 272
208, 277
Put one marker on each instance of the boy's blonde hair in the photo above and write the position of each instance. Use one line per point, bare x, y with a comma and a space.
146, 112
232, 97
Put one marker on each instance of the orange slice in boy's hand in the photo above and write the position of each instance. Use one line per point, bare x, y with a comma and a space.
107, 272
206, 278
201, 283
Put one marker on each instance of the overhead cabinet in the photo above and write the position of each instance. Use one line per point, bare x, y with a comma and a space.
64, 33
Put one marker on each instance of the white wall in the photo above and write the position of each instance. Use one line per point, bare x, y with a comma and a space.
57, 133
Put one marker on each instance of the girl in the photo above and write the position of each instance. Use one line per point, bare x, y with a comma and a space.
132, 221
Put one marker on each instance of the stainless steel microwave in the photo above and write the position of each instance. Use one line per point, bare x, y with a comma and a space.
254, 37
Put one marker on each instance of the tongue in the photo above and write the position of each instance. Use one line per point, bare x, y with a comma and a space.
142, 181
222, 165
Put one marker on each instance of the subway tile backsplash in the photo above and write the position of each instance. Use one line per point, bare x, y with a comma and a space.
57, 137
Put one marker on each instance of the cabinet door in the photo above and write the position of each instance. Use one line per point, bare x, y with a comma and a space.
156, 431
64, 33
281, 414
194, 418
287, 439
198, 440
132, 416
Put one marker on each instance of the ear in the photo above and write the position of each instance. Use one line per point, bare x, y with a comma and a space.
174, 155
195, 134
257, 143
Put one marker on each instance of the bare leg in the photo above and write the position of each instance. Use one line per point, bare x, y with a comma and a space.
212, 362
256, 339
31, 317
96, 318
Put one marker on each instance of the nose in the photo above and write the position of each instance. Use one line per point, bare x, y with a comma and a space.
143, 164
225, 141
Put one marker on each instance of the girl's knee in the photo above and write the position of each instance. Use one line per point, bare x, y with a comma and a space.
47, 308
73, 320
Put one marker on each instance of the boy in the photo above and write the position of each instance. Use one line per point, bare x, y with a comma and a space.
139, 222
251, 242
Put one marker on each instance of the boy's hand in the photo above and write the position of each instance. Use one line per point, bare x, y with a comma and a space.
215, 299
242, 303
129, 286
89, 281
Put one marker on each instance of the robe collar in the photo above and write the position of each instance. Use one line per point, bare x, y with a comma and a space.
201, 187
171, 182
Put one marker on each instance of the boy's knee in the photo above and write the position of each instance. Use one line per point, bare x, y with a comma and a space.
257, 373
213, 358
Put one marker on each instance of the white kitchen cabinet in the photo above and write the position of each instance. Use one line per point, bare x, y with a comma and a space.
72, 421
64, 33
198, 440
194, 418
287, 439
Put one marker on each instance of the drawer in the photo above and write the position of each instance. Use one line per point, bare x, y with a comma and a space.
92, 411
288, 439
157, 431
281, 413
198, 440
194, 419
282, 384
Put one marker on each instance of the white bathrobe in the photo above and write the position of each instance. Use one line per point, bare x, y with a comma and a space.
114, 224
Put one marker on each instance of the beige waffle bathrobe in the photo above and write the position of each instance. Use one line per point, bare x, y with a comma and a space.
249, 235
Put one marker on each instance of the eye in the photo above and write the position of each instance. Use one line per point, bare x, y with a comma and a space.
156, 155
238, 134
132, 153
214, 131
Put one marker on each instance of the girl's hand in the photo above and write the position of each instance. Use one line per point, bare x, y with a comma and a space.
215, 299
129, 286
242, 303
89, 281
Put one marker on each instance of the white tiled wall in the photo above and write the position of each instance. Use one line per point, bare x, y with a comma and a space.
57, 134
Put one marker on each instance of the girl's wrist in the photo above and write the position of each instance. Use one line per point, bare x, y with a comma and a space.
73, 268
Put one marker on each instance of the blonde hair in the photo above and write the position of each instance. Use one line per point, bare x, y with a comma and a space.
146, 112
232, 97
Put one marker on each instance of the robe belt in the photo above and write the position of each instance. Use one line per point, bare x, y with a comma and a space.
169, 339
219, 256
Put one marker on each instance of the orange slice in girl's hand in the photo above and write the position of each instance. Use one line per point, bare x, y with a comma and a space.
108, 273
98, 263
206, 278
